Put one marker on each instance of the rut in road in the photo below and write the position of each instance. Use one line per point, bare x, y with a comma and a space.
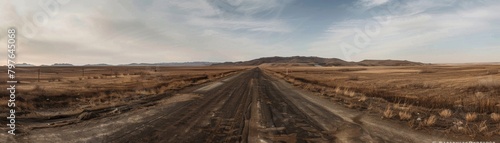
224, 114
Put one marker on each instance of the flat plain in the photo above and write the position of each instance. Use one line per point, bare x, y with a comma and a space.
257, 104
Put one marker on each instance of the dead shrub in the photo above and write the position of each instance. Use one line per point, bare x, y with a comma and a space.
388, 113
350, 93
495, 117
430, 121
483, 127
338, 90
404, 115
470, 117
446, 113
362, 98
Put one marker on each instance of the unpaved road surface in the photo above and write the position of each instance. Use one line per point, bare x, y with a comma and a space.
248, 107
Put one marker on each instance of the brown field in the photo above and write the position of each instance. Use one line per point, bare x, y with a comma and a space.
300, 103
462, 99
61, 92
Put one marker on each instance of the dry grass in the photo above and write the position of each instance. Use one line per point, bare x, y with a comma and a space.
350, 93
446, 113
388, 113
482, 127
470, 117
460, 91
495, 117
440, 87
70, 89
430, 121
362, 98
338, 90
404, 115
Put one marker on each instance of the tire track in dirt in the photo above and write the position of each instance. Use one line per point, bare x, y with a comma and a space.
187, 122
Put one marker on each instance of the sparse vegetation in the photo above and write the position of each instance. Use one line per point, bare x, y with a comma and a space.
73, 91
388, 113
446, 113
470, 117
430, 121
483, 127
404, 115
495, 117
461, 92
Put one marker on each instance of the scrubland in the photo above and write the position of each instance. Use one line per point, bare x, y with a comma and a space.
455, 99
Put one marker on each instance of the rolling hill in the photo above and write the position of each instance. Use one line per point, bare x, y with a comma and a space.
316, 61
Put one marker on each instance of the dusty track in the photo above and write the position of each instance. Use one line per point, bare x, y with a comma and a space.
251, 107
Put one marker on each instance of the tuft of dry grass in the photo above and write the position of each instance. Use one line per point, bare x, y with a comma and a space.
495, 117
430, 121
362, 98
338, 90
470, 117
404, 115
351, 93
388, 113
446, 113
346, 92
483, 127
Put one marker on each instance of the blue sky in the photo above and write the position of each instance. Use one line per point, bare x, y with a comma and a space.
126, 31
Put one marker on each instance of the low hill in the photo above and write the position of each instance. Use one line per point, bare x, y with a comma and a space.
316, 61
388, 63
171, 64
289, 60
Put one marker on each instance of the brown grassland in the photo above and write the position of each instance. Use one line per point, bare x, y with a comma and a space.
62, 92
457, 99
453, 99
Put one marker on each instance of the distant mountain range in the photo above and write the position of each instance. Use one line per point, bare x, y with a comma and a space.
267, 61
316, 61
131, 64
24, 65
171, 64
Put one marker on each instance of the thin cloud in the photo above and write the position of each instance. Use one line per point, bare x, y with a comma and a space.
372, 3
415, 30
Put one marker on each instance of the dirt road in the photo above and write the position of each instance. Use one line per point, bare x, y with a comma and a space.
248, 107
